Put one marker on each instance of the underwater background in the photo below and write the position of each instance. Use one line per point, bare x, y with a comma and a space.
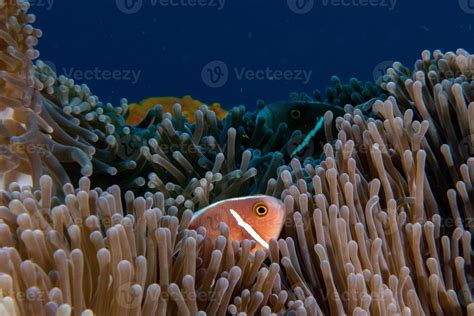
358, 201
149, 48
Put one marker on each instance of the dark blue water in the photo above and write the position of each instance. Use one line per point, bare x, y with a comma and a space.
253, 49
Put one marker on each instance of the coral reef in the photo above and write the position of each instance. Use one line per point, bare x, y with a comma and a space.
381, 223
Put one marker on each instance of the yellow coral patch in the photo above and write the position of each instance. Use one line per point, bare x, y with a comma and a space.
138, 111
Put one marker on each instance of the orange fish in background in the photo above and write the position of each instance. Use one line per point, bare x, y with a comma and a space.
258, 218
138, 111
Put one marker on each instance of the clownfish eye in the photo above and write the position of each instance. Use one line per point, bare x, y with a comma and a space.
260, 209
295, 114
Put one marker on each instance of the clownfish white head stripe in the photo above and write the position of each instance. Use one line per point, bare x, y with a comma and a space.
248, 229
258, 218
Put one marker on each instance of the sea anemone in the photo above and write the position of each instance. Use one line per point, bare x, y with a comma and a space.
342, 252
54, 125
36, 137
94, 255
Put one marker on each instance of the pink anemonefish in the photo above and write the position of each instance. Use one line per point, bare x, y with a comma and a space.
257, 218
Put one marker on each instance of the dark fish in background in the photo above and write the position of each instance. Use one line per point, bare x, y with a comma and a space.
303, 115
298, 115
304, 120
